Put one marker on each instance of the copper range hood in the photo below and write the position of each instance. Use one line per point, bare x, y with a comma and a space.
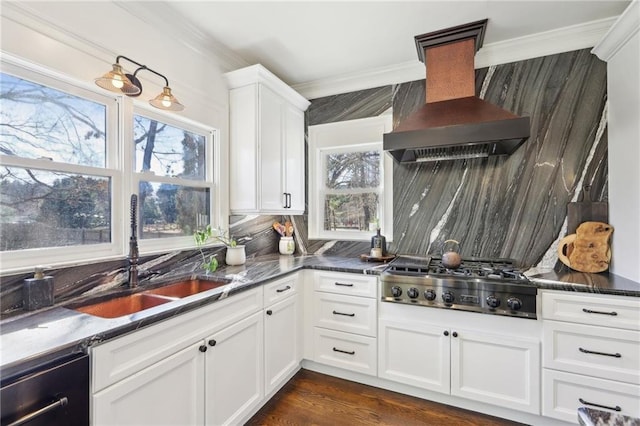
454, 123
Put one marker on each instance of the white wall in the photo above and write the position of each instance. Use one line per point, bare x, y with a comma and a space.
620, 48
82, 39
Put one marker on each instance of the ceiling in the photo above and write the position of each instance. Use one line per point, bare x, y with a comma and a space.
306, 41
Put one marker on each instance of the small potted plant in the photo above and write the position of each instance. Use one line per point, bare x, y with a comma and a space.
235, 252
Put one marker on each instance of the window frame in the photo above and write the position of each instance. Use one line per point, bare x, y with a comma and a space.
211, 180
66, 255
119, 167
356, 135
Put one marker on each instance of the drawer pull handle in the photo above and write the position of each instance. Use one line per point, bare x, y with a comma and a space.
342, 313
344, 284
587, 351
589, 311
344, 352
27, 418
280, 290
616, 408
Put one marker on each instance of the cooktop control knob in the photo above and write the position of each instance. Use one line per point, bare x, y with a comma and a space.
448, 297
396, 291
413, 293
514, 303
430, 294
493, 301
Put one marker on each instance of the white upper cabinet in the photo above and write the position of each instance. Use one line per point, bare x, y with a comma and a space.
267, 166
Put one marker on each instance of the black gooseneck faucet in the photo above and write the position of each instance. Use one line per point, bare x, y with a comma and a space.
133, 243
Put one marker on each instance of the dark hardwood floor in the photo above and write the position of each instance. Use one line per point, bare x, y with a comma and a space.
312, 398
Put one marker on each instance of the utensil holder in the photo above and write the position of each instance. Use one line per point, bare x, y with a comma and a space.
286, 245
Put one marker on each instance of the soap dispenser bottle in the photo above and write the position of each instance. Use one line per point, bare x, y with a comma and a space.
378, 245
37, 292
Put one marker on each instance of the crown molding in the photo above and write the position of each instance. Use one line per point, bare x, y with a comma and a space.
546, 43
259, 74
622, 30
394, 74
158, 14
561, 40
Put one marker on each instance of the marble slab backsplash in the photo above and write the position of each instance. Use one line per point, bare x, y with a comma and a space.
508, 207
512, 207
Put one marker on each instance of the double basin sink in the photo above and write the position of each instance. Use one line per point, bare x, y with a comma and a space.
132, 303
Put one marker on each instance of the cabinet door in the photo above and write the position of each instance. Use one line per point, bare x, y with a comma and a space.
495, 369
243, 150
414, 353
234, 371
281, 355
293, 157
169, 392
271, 151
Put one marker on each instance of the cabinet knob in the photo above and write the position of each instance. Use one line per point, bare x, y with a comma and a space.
202, 348
269, 312
212, 342
454, 334
446, 333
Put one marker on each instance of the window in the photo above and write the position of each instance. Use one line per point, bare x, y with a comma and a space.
70, 159
173, 177
58, 173
350, 191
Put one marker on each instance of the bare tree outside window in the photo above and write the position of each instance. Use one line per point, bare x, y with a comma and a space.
351, 196
49, 204
170, 209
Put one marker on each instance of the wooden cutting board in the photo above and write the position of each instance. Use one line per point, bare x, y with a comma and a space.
586, 211
588, 249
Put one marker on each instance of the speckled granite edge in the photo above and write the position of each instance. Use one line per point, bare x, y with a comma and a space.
593, 417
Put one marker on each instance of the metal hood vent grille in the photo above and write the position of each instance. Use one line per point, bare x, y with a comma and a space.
452, 153
454, 123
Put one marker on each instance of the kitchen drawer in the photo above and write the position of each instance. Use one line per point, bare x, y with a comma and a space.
350, 314
124, 356
604, 352
345, 283
594, 309
280, 289
344, 350
562, 394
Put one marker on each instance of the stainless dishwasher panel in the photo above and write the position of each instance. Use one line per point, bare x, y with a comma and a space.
54, 394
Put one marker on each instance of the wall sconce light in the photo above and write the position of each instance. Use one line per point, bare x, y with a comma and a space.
117, 81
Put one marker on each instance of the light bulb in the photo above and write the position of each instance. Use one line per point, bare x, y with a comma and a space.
166, 102
117, 82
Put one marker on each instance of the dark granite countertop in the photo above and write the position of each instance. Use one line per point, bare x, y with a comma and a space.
29, 339
592, 417
32, 338
568, 280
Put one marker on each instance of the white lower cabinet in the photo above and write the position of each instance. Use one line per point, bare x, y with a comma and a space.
591, 354
168, 392
496, 369
282, 332
201, 367
233, 368
414, 353
565, 392
500, 369
345, 350
343, 321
